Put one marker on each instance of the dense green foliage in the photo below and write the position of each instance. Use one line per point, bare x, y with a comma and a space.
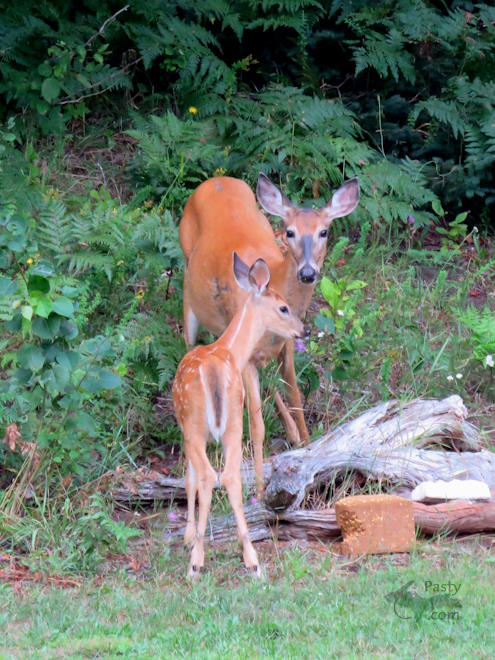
111, 114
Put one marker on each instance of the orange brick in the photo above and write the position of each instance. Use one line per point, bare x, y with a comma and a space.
375, 524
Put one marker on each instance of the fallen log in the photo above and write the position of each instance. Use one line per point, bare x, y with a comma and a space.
386, 444
455, 517
376, 444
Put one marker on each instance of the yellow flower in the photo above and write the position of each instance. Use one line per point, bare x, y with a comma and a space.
140, 294
30, 261
147, 339
193, 110
220, 171
114, 210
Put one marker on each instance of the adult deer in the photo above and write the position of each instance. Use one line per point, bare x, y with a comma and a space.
208, 397
221, 217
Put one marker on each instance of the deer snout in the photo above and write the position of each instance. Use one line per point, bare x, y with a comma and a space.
307, 274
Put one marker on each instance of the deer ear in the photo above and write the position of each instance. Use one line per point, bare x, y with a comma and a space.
344, 200
270, 197
259, 276
241, 273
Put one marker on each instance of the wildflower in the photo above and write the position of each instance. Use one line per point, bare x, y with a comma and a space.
341, 261
321, 334
450, 378
172, 516
458, 376
254, 500
115, 210
488, 361
147, 339
300, 346
140, 294
30, 261
220, 171
193, 110
411, 219
340, 312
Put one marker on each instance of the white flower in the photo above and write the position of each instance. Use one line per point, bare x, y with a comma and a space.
340, 312
322, 334
458, 376
450, 378
488, 361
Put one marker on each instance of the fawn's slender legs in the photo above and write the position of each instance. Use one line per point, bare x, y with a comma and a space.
231, 479
204, 480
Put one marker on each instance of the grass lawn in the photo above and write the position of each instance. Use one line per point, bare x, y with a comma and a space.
312, 604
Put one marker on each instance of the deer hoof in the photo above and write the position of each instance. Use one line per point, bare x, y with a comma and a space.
194, 572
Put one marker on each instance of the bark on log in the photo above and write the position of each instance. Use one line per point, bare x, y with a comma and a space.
450, 517
378, 446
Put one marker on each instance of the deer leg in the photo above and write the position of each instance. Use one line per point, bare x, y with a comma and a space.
191, 323
206, 478
231, 479
290, 425
286, 358
191, 492
256, 424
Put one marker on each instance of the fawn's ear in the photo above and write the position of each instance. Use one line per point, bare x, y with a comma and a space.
259, 276
241, 273
271, 198
344, 200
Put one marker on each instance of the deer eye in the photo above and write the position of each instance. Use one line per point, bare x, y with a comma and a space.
290, 233
284, 309
323, 233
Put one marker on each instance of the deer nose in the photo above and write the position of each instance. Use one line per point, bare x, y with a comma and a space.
307, 274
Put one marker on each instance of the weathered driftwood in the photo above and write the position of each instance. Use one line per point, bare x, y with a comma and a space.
450, 517
145, 485
385, 445
377, 444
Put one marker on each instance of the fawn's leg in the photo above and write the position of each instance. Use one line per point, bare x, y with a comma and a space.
286, 359
256, 424
206, 478
191, 492
231, 479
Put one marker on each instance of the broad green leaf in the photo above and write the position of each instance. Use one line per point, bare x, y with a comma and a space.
460, 218
38, 283
31, 357
63, 306
7, 287
43, 306
62, 376
46, 328
437, 207
50, 89
68, 330
68, 359
356, 284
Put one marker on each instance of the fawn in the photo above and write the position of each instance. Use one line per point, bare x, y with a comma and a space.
208, 397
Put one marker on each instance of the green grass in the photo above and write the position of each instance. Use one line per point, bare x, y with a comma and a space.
312, 605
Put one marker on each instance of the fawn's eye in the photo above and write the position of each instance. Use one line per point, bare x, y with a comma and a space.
290, 233
323, 233
284, 309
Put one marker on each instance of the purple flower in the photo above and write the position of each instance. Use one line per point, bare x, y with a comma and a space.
172, 516
254, 501
411, 219
300, 346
